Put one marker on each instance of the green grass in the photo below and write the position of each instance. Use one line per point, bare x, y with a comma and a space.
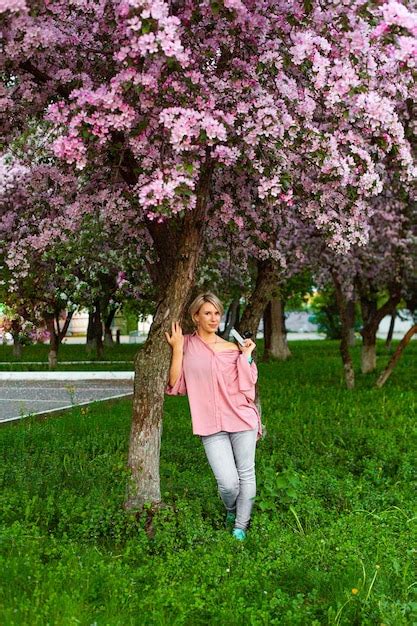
335, 512
38, 353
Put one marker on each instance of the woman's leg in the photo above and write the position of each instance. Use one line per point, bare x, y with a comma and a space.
244, 446
221, 459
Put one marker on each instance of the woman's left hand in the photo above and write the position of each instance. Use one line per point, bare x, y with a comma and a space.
248, 347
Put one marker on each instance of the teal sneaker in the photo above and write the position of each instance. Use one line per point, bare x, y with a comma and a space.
239, 534
230, 520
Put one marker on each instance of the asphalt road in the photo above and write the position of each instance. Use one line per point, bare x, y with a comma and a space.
21, 398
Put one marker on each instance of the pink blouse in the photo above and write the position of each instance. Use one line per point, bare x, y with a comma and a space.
220, 388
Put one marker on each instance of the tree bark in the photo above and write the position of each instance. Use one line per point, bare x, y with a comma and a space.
56, 335
188, 326
372, 317
99, 331
395, 357
17, 348
368, 355
90, 332
351, 317
391, 330
53, 342
108, 321
369, 330
345, 329
95, 331
152, 361
232, 317
275, 334
17, 345
265, 288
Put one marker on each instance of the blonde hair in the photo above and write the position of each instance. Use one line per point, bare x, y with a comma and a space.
201, 299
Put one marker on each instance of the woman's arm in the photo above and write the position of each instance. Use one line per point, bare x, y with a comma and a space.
176, 341
176, 366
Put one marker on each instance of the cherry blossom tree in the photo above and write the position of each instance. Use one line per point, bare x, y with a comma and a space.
172, 100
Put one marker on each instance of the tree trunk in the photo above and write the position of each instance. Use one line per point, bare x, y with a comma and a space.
188, 326
17, 345
98, 331
90, 339
108, 321
372, 317
345, 329
152, 361
395, 357
267, 323
108, 337
95, 331
266, 285
56, 335
351, 317
369, 330
391, 330
17, 348
368, 354
53, 342
275, 334
232, 317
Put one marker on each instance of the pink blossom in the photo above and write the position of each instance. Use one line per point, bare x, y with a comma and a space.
72, 150
14, 6
225, 155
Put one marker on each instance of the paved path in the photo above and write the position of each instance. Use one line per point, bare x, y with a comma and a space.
19, 398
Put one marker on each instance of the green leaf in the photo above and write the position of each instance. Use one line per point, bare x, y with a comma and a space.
308, 6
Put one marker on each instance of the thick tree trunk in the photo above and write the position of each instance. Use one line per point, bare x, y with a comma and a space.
275, 334
188, 326
368, 355
152, 361
396, 356
232, 317
267, 323
265, 288
369, 330
345, 329
372, 317
391, 330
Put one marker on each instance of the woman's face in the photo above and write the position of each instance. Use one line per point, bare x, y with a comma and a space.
207, 318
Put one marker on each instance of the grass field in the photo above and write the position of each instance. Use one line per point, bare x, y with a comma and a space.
38, 354
333, 537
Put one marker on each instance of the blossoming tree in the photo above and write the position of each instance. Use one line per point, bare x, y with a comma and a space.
171, 99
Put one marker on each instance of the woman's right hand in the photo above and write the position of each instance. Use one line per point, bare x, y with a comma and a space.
176, 339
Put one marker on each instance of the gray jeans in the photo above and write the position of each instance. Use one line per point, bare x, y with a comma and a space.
232, 459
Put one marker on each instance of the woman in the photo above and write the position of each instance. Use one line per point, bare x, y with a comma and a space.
219, 379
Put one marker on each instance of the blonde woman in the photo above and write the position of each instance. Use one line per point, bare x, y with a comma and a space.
219, 378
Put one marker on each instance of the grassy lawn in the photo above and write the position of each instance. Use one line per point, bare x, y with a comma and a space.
333, 537
38, 353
